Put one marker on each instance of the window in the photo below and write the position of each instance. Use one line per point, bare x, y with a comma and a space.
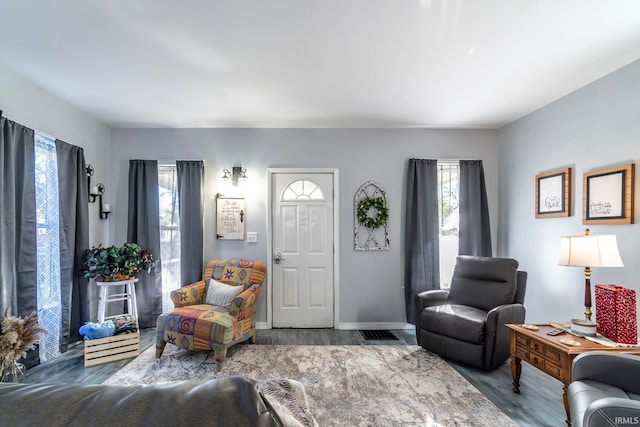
302, 190
48, 247
448, 192
169, 232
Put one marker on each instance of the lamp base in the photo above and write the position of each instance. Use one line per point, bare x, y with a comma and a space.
582, 326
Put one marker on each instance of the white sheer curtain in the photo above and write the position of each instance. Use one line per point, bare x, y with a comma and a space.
169, 232
48, 247
449, 218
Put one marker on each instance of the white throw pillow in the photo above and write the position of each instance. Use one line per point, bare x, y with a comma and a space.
220, 294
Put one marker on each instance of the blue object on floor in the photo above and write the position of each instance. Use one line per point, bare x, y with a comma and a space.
93, 331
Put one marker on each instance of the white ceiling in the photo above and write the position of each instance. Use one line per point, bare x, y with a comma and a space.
315, 63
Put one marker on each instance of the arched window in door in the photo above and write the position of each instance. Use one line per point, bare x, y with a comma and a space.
302, 190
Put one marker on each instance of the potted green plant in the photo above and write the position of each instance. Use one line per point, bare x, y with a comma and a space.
116, 262
133, 260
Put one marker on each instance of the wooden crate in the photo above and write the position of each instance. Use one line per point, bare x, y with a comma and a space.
108, 349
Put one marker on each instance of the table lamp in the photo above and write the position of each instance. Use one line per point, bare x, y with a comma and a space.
589, 251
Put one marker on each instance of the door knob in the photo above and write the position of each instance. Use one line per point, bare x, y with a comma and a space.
277, 257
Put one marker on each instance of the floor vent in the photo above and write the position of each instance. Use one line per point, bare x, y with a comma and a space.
378, 334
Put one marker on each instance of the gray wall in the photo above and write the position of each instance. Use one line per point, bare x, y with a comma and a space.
29, 105
595, 127
371, 283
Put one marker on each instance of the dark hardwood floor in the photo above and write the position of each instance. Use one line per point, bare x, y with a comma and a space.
538, 404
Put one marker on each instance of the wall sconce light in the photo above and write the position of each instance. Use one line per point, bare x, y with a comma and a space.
105, 209
236, 173
96, 192
89, 170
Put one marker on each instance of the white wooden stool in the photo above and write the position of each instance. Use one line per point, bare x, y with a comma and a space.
128, 295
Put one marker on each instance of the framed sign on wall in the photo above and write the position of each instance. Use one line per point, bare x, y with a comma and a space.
553, 194
608, 195
230, 217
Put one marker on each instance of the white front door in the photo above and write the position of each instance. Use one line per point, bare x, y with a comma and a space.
302, 250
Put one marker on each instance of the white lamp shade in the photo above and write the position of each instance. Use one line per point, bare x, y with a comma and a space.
590, 251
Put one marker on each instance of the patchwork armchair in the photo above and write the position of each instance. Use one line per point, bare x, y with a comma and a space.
467, 322
212, 314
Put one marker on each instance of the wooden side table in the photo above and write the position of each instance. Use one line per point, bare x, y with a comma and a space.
550, 355
128, 295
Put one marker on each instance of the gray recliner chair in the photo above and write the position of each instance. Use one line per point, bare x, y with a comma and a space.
605, 390
467, 323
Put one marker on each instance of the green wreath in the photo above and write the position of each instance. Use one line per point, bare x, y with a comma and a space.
382, 213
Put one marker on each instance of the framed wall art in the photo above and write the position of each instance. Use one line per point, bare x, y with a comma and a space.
553, 194
230, 217
371, 218
608, 195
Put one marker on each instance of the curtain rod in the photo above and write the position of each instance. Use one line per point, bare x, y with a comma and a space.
46, 135
173, 161
444, 159
452, 160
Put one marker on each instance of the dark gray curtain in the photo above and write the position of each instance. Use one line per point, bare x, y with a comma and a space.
18, 266
76, 294
421, 238
190, 196
143, 228
474, 235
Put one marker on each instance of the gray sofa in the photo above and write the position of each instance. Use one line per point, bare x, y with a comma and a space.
467, 323
605, 390
231, 401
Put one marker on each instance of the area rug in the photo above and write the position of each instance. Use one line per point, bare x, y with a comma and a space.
347, 385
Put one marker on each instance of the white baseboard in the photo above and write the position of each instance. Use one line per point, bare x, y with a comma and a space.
358, 325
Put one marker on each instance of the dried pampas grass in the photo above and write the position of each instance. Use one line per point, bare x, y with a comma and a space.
18, 336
